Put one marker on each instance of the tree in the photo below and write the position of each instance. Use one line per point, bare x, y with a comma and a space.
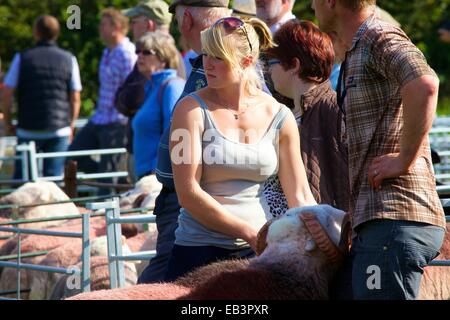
419, 18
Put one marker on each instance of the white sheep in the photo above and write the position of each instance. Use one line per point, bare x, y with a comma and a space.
35, 193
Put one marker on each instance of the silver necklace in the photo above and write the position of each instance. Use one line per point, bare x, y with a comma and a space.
236, 115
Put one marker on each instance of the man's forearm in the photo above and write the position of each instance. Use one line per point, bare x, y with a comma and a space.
6, 99
75, 103
419, 107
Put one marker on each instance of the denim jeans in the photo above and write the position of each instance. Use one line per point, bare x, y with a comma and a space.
52, 166
185, 258
95, 136
388, 257
166, 210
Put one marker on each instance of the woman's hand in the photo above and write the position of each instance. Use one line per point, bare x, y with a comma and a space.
251, 237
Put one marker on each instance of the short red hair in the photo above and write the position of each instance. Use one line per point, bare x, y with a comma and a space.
305, 41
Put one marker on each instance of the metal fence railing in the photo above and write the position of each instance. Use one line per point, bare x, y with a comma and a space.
114, 238
440, 141
84, 273
115, 256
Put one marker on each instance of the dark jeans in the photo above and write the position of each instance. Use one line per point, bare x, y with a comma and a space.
387, 260
185, 259
166, 210
95, 136
52, 166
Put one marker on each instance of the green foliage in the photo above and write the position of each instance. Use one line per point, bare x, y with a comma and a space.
16, 20
419, 18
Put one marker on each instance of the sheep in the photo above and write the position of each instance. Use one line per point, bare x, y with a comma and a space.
66, 256
289, 267
33, 243
435, 284
295, 264
143, 195
35, 193
99, 279
147, 186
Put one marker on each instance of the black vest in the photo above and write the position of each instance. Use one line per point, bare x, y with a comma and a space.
44, 88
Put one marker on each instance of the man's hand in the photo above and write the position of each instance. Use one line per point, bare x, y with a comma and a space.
391, 165
10, 130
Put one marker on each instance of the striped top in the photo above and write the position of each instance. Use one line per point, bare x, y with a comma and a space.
115, 66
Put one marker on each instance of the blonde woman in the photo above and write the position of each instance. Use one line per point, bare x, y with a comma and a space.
225, 142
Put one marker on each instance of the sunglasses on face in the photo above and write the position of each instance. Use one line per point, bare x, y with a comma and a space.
145, 52
230, 24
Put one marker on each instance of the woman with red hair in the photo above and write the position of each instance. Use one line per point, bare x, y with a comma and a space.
300, 66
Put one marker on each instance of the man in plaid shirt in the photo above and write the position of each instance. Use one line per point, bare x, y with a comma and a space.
388, 95
107, 127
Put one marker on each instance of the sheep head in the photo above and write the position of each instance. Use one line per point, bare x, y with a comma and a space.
326, 228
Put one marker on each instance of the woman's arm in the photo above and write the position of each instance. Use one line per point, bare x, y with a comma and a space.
186, 154
291, 171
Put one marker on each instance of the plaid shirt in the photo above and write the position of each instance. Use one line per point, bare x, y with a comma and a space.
380, 62
115, 66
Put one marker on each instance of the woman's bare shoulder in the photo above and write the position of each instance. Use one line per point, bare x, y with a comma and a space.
185, 106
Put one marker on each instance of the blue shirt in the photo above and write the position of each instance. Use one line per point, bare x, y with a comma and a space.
196, 81
153, 117
334, 76
191, 54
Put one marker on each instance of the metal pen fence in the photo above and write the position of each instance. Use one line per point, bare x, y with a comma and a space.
114, 239
18, 265
114, 265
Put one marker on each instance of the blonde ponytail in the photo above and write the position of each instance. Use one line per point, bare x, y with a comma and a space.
263, 33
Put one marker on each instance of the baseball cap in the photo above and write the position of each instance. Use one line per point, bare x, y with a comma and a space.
199, 3
244, 8
156, 10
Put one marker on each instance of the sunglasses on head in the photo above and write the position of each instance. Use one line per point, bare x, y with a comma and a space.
230, 24
145, 52
273, 62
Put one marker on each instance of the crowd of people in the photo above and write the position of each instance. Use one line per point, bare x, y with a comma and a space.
251, 125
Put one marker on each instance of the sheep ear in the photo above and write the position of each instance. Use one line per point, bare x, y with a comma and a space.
138, 201
261, 238
310, 244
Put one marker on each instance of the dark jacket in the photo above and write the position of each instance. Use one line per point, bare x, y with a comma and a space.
129, 98
323, 149
44, 88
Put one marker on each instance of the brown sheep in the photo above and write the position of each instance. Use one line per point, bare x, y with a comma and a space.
283, 271
290, 267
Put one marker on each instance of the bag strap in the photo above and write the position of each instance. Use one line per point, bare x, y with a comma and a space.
160, 96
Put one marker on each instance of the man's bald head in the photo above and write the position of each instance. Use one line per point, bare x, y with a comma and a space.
46, 27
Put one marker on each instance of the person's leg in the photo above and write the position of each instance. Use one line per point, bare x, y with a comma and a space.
185, 259
166, 210
55, 166
18, 163
422, 243
130, 168
85, 139
111, 136
389, 257
341, 284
